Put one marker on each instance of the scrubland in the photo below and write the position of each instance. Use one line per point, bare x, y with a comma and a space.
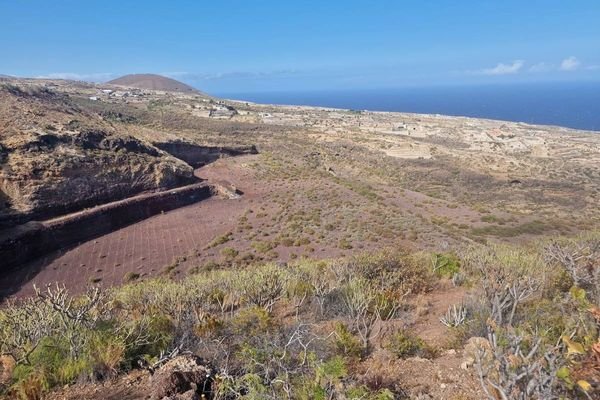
369, 256
331, 329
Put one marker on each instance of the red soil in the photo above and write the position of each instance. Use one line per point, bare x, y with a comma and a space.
145, 248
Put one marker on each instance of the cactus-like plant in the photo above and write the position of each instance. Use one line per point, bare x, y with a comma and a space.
455, 316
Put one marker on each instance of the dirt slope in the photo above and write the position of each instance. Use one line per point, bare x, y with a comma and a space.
153, 82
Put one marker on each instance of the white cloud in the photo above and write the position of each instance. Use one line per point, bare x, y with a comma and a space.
570, 64
541, 67
175, 74
504, 69
95, 77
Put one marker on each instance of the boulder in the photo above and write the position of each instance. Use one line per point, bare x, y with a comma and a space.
474, 347
184, 377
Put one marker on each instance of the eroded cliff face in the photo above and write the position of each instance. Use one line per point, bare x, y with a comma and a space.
59, 166
53, 174
197, 155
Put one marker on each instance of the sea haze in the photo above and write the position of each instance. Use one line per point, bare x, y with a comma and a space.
573, 105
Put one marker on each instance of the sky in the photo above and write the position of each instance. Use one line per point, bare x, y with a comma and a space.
257, 46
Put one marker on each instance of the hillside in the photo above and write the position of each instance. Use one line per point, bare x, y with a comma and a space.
153, 82
326, 182
333, 253
85, 161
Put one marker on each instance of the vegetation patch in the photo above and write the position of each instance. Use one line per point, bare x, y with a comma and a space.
325, 321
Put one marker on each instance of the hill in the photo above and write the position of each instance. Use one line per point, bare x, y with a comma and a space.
352, 254
153, 82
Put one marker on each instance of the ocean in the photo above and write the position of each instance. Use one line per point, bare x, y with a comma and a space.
573, 105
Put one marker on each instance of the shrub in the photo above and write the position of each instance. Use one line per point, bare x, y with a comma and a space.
344, 244
23, 326
263, 286
106, 352
252, 321
510, 365
394, 271
331, 371
131, 276
209, 326
454, 316
303, 241
299, 289
240, 319
32, 386
366, 305
229, 252
155, 331
50, 365
578, 257
220, 240
445, 265
262, 246
363, 392
287, 242
508, 277
405, 344
346, 344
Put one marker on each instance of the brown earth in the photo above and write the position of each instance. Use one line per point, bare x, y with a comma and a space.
153, 82
326, 183
36, 239
71, 163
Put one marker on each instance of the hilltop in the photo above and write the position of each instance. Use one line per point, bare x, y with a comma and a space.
153, 82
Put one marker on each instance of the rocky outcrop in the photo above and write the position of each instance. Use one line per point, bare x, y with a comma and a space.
477, 349
182, 378
48, 174
197, 155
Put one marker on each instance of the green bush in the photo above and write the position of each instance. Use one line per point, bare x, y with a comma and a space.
219, 240
262, 246
229, 252
445, 265
160, 332
331, 371
344, 244
405, 344
346, 344
393, 271
131, 276
262, 286
252, 321
364, 393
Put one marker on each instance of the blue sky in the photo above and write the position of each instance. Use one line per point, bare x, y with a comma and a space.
246, 46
